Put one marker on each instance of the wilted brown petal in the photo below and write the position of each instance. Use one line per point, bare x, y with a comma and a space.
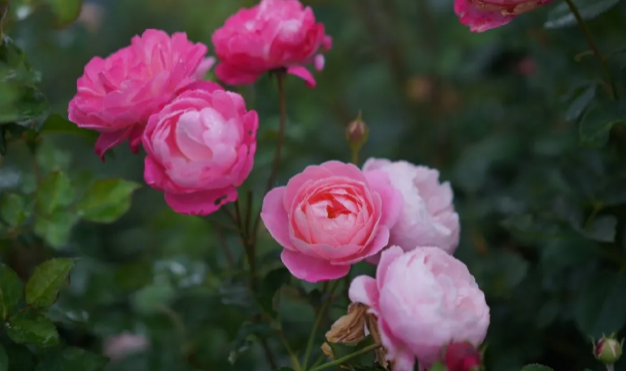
350, 328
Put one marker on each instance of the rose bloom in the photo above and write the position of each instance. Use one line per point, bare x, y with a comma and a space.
200, 148
272, 35
428, 217
483, 15
424, 299
116, 95
329, 217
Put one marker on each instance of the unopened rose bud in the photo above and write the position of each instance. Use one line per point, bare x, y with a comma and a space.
357, 132
462, 356
608, 350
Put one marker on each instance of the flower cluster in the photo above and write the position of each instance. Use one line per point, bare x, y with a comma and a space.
199, 138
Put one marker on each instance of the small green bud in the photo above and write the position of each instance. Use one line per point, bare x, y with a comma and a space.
608, 350
357, 132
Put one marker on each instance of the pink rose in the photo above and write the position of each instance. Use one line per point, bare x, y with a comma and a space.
428, 217
483, 15
116, 95
119, 346
271, 35
423, 299
200, 148
329, 217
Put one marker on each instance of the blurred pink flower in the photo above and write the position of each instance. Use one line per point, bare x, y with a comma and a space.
271, 35
483, 15
428, 217
424, 299
119, 346
200, 148
116, 95
329, 217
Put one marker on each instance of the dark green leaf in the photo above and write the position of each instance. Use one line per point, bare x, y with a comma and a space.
42, 289
152, 299
55, 124
10, 291
13, 209
536, 367
72, 359
14, 66
20, 358
66, 11
32, 327
56, 227
601, 304
3, 141
248, 334
602, 229
561, 16
598, 121
54, 192
284, 369
106, 200
581, 103
4, 359
271, 283
20, 105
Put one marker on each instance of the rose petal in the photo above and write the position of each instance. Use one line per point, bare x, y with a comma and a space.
304, 74
312, 269
275, 218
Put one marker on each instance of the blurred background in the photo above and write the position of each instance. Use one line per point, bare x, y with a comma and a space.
542, 214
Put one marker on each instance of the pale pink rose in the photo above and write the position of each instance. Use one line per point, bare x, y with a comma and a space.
423, 299
272, 35
200, 148
116, 95
428, 217
120, 346
329, 217
483, 15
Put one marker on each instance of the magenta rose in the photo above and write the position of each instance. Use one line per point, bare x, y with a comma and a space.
200, 148
271, 35
423, 299
428, 217
483, 15
329, 217
116, 95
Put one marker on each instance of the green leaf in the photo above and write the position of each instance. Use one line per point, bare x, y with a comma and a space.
106, 200
13, 209
3, 141
4, 359
601, 305
42, 289
272, 282
55, 228
54, 192
153, 298
55, 124
10, 291
66, 11
20, 358
32, 327
581, 103
247, 335
536, 367
561, 16
72, 359
598, 121
602, 229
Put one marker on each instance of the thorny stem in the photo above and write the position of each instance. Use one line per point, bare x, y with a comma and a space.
342, 360
592, 44
316, 324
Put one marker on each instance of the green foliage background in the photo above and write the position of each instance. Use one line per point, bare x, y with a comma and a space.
536, 160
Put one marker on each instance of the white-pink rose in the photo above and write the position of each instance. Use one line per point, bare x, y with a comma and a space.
120, 346
428, 217
424, 299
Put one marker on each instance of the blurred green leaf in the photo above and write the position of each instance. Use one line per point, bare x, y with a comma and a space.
3, 141
43, 287
66, 11
499, 272
598, 121
55, 124
247, 335
152, 299
272, 282
536, 367
13, 209
55, 228
438, 366
580, 104
602, 229
10, 291
20, 358
4, 359
54, 192
32, 327
601, 304
72, 359
561, 16
106, 200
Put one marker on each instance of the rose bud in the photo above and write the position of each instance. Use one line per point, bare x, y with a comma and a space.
608, 350
462, 356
